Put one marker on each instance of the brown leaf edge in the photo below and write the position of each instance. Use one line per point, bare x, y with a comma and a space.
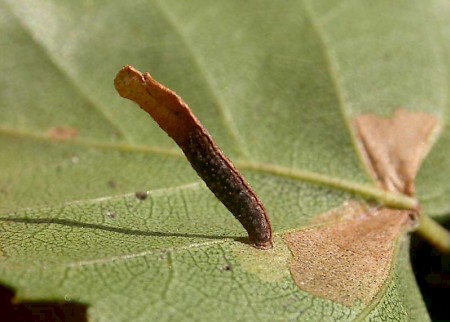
347, 254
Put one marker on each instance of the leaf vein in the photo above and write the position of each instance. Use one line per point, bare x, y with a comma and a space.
66, 75
332, 68
226, 116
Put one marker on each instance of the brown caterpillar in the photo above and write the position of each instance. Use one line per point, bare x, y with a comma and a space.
176, 119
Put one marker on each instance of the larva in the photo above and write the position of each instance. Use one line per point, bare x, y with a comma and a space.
177, 120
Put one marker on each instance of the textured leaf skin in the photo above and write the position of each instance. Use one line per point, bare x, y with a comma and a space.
275, 83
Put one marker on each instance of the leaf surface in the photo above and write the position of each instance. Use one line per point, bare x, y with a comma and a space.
276, 84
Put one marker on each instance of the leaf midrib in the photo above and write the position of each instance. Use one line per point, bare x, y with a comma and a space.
363, 190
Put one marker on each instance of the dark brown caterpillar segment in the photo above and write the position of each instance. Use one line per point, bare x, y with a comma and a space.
177, 120
229, 186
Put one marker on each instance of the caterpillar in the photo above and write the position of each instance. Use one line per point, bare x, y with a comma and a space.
175, 117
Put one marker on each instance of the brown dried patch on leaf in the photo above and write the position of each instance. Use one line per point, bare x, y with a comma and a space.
62, 133
395, 147
348, 260
349, 210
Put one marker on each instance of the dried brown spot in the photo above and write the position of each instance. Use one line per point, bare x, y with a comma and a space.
395, 147
111, 214
141, 195
3, 191
348, 260
62, 133
112, 184
228, 267
347, 211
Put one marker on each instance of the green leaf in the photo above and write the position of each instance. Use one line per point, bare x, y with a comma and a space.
277, 84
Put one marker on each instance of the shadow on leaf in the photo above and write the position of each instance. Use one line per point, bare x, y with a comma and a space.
76, 224
39, 310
